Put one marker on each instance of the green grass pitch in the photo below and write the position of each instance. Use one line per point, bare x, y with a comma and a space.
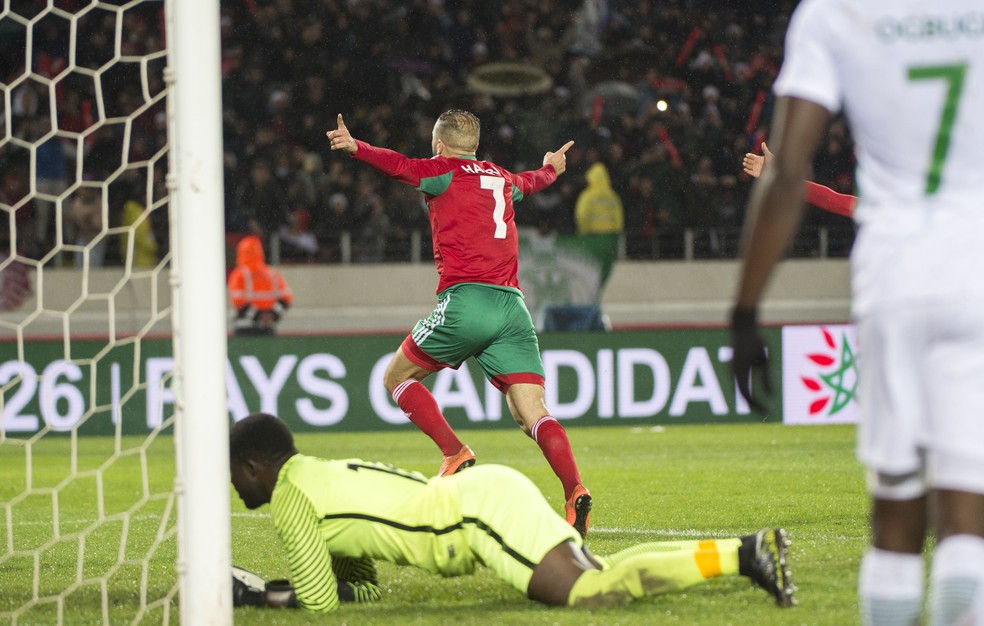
649, 483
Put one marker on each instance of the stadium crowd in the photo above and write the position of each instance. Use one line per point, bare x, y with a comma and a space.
667, 94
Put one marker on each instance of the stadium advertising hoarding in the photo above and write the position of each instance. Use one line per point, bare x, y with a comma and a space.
318, 382
819, 375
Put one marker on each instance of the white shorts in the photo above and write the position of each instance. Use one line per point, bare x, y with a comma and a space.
921, 391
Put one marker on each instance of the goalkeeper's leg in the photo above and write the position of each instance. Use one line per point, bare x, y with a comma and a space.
721, 545
566, 577
572, 576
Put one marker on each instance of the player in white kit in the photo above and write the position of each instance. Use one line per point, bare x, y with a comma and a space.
909, 76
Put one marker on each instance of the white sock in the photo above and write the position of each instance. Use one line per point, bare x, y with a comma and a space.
957, 577
891, 588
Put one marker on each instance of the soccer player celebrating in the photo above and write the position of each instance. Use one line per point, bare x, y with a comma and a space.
491, 515
480, 311
910, 78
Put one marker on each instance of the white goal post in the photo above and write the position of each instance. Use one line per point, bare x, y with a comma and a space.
198, 280
114, 467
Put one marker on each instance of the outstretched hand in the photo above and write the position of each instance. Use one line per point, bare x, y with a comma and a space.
754, 164
341, 138
559, 158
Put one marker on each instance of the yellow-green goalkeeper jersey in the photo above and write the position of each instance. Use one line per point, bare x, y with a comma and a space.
356, 508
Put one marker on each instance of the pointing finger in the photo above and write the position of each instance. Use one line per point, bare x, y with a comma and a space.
565, 147
341, 122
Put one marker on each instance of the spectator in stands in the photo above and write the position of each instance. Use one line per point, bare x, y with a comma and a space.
12, 192
599, 209
374, 232
85, 214
707, 188
258, 292
644, 216
598, 214
264, 203
52, 169
140, 227
15, 283
235, 219
409, 222
297, 242
335, 224
703, 69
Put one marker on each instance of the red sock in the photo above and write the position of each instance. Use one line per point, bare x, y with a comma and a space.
552, 439
421, 408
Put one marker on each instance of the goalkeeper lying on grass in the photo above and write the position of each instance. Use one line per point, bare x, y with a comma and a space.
335, 516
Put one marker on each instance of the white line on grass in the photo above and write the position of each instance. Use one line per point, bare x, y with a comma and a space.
682, 533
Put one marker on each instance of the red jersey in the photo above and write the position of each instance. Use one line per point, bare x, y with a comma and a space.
470, 203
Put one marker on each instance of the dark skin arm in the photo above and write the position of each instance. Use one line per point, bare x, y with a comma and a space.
775, 211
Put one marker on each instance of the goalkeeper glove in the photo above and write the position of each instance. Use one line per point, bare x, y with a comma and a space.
358, 591
354, 569
247, 588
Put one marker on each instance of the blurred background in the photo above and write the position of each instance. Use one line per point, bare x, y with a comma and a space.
662, 98
667, 95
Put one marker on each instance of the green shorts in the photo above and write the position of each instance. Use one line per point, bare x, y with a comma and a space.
487, 322
509, 526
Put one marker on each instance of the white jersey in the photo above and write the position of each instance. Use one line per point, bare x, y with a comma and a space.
909, 76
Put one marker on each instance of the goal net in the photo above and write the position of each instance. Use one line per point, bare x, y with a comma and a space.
114, 494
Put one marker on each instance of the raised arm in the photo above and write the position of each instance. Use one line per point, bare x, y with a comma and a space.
753, 164
829, 200
819, 196
389, 162
558, 159
532, 181
341, 138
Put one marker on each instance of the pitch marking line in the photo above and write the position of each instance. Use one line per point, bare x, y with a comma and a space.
662, 533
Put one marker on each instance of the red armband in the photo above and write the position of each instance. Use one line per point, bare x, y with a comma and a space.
829, 200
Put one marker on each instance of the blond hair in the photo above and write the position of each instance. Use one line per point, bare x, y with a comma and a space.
459, 130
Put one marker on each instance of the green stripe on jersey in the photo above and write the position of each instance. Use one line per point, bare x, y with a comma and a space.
435, 185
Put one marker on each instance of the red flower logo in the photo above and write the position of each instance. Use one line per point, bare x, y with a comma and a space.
839, 384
